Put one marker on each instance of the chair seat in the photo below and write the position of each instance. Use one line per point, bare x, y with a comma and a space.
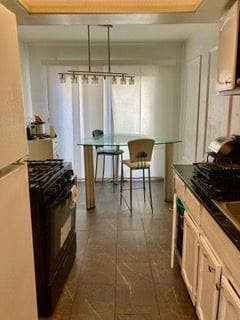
136, 165
109, 152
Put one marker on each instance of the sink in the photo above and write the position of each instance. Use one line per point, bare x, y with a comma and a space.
231, 209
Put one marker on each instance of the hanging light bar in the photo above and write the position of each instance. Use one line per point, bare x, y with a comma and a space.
95, 74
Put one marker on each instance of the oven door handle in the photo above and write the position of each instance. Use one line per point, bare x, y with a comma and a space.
73, 197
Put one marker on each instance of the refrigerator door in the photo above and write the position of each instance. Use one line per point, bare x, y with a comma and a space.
13, 141
17, 278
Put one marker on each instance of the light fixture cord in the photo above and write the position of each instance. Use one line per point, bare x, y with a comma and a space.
89, 50
109, 66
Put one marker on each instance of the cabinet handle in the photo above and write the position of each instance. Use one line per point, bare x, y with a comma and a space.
211, 269
228, 81
218, 286
225, 82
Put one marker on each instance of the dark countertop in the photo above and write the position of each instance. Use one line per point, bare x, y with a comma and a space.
185, 173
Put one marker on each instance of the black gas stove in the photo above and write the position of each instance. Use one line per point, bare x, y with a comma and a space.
218, 180
219, 176
52, 186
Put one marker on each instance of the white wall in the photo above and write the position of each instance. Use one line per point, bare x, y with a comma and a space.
205, 115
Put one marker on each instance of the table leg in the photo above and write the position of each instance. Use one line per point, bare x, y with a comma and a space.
168, 181
89, 177
116, 166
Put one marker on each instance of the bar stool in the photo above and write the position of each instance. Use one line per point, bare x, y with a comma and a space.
140, 152
100, 151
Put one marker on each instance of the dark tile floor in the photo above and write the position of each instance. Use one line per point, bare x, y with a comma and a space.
122, 268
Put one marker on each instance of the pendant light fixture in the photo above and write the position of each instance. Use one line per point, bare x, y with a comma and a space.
94, 75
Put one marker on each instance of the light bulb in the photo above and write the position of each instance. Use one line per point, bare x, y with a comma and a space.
84, 79
74, 78
131, 81
62, 78
123, 80
94, 79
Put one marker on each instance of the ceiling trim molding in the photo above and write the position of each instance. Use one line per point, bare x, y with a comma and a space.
109, 6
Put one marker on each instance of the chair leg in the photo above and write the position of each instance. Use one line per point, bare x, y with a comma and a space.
150, 190
113, 168
96, 168
131, 191
122, 173
103, 167
121, 185
144, 189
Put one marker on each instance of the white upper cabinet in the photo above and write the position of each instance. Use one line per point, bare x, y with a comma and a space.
227, 68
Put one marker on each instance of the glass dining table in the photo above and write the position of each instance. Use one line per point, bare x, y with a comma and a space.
118, 140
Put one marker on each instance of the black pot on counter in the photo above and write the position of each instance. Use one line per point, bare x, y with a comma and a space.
30, 136
227, 148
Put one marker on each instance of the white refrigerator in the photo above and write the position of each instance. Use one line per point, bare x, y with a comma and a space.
17, 278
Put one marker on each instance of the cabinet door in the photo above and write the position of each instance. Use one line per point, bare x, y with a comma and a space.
209, 274
174, 224
229, 307
190, 255
227, 49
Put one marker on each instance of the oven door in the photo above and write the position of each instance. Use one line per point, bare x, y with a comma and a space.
61, 222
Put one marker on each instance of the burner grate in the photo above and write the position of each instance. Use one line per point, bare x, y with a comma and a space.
218, 181
42, 172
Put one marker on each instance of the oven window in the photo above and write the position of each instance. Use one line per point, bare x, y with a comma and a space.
63, 225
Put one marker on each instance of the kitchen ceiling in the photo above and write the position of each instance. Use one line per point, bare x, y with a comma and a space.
109, 6
119, 33
137, 27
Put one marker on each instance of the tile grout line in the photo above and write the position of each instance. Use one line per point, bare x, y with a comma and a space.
116, 273
79, 274
149, 260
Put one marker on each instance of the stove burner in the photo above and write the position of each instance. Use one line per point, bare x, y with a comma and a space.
218, 181
40, 172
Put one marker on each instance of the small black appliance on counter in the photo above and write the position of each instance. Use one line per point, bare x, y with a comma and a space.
219, 177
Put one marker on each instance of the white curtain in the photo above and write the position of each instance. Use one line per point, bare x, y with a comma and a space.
60, 106
147, 107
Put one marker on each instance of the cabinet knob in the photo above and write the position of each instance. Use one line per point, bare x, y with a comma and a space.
211, 269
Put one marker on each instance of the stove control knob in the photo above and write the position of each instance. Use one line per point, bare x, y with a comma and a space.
57, 186
68, 175
63, 181
53, 191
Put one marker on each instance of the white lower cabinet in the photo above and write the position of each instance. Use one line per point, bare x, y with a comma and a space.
209, 264
190, 256
229, 306
208, 284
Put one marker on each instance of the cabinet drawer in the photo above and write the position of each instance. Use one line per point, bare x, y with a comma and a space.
179, 188
193, 206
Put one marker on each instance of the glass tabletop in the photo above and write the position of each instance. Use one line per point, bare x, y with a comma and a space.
122, 140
